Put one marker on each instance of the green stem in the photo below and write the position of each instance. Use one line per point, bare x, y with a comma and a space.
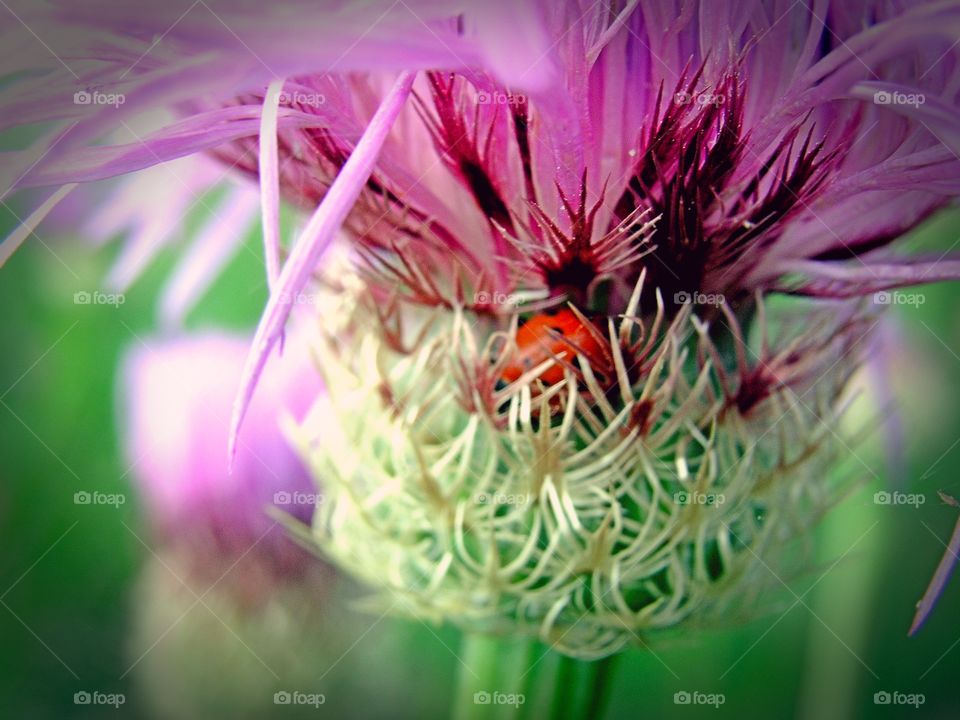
580, 688
509, 678
491, 674
600, 688
564, 689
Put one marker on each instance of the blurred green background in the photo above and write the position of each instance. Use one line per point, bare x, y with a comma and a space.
69, 573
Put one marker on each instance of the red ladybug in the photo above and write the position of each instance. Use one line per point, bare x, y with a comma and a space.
536, 344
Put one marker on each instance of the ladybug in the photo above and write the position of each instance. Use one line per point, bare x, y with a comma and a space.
561, 334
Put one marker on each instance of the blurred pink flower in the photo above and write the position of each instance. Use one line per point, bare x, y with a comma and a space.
177, 395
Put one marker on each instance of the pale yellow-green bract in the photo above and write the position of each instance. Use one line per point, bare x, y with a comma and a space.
586, 515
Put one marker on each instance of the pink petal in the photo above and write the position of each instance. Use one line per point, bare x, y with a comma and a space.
26, 228
270, 180
831, 279
195, 134
516, 44
216, 244
317, 236
941, 576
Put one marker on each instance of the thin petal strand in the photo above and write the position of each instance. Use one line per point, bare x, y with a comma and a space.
270, 180
316, 238
15, 239
941, 576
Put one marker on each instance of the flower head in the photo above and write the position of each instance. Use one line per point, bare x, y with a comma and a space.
593, 498
564, 227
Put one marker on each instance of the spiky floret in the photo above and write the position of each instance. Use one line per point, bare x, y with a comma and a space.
588, 512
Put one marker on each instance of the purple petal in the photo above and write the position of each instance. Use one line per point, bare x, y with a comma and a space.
941, 576
938, 116
201, 264
515, 43
270, 180
831, 279
173, 189
200, 132
857, 58
26, 228
317, 236
881, 374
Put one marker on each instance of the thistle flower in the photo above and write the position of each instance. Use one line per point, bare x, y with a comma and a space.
216, 526
564, 224
589, 510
